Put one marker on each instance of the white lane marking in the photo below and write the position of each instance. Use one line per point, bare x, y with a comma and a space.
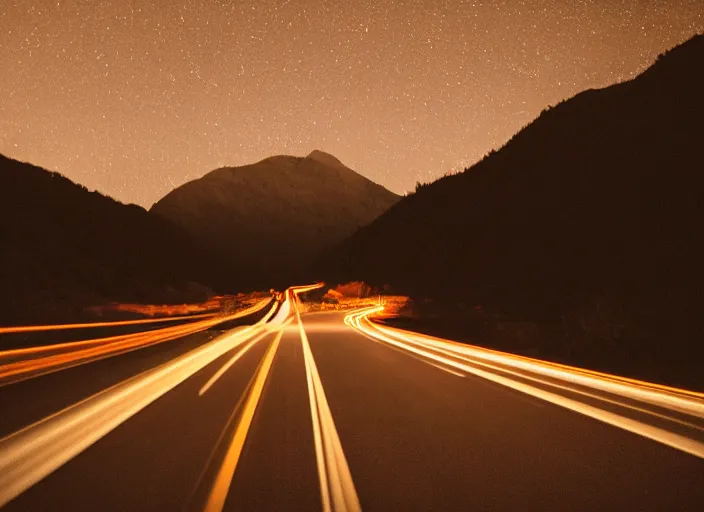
338, 493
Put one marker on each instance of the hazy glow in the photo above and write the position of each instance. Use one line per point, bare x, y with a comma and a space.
133, 98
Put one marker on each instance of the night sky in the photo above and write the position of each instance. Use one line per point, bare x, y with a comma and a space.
133, 98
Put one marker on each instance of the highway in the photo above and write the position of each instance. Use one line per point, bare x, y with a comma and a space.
332, 411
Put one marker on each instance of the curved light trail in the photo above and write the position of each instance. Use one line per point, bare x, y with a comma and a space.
668, 415
548, 381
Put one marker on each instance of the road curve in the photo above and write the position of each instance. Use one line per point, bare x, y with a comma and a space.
329, 411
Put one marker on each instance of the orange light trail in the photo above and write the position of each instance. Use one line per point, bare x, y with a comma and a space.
512, 371
81, 352
29, 455
221, 485
87, 325
223, 479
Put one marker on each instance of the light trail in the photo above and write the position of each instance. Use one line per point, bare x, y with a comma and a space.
305, 288
238, 355
223, 369
29, 455
569, 389
221, 486
20, 352
87, 325
81, 352
223, 480
337, 490
67, 346
445, 369
467, 358
684, 401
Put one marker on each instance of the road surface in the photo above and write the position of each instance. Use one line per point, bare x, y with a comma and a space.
329, 411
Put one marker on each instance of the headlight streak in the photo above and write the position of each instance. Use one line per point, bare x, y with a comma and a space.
559, 386
81, 352
410, 354
88, 325
20, 352
239, 354
337, 490
687, 402
438, 350
29, 455
221, 485
223, 480
448, 370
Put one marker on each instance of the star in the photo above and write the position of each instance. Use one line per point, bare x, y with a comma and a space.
132, 98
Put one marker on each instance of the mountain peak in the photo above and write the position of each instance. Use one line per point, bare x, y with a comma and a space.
293, 206
324, 158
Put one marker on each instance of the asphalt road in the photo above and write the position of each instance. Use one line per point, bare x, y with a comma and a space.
391, 429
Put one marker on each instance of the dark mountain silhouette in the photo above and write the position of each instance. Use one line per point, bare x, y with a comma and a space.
63, 248
590, 219
273, 218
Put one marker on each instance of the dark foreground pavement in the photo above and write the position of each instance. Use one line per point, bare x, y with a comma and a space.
415, 437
